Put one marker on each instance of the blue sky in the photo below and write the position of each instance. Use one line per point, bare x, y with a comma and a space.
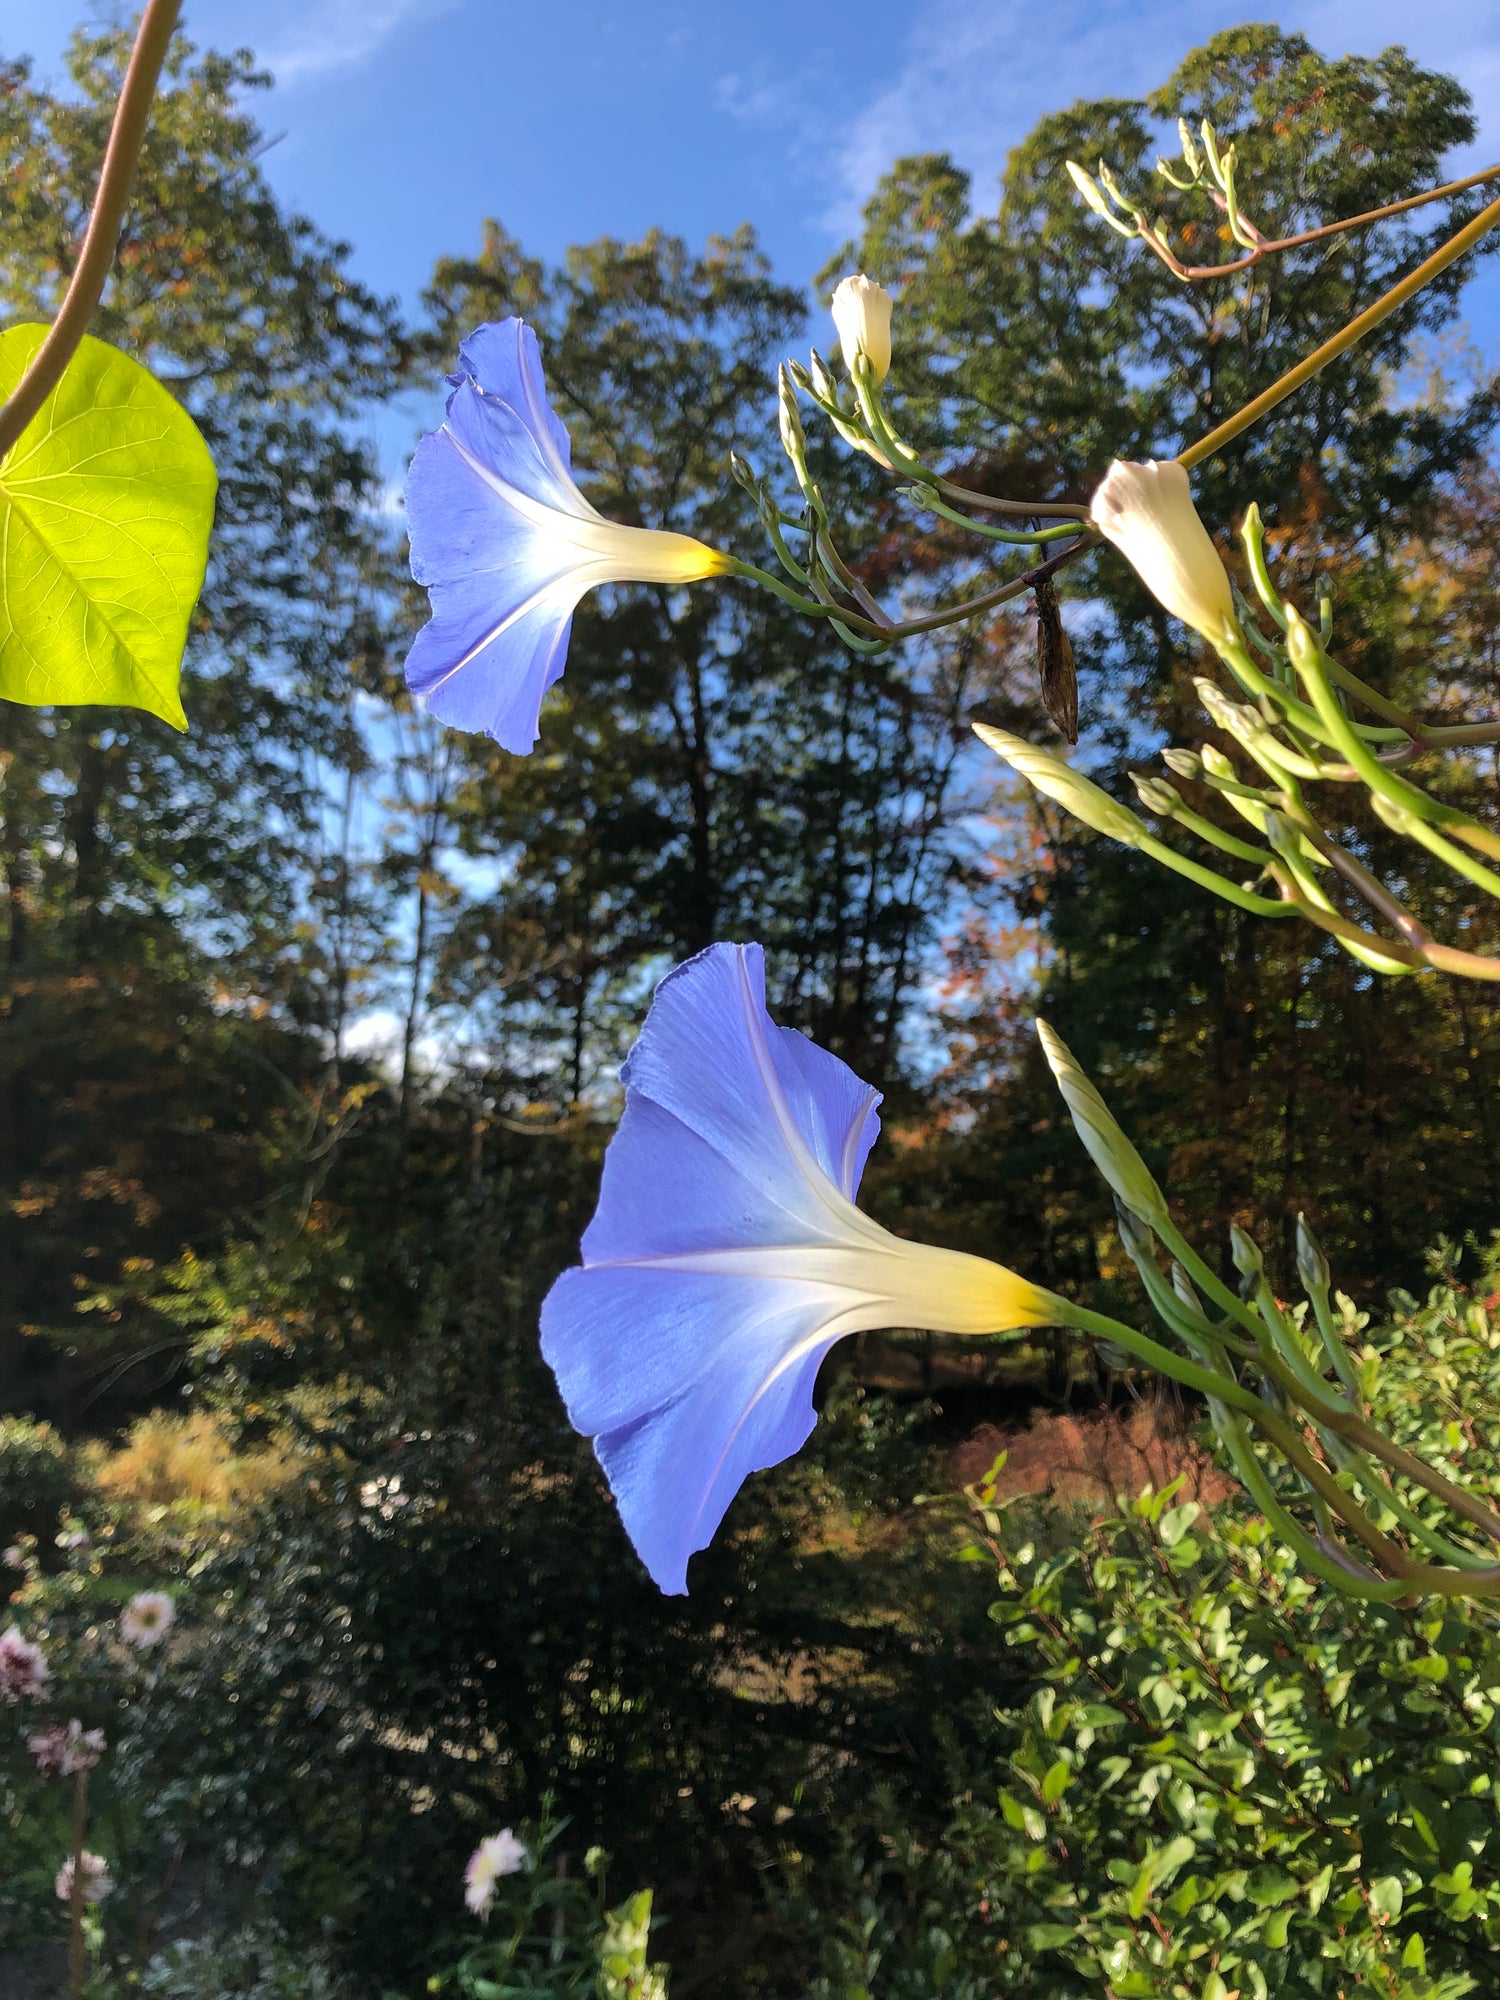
403, 122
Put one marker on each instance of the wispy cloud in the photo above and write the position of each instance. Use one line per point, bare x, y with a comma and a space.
973, 76
335, 35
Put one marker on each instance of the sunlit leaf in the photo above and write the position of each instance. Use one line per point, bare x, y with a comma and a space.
105, 508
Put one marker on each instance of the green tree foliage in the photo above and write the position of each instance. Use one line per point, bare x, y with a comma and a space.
156, 885
1222, 1778
1263, 1071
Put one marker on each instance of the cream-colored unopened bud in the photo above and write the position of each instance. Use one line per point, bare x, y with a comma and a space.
1071, 789
1088, 187
1109, 1149
1147, 511
862, 314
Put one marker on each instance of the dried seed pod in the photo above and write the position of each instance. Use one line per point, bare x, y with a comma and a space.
1054, 657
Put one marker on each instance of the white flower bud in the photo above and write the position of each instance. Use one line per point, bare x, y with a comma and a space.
793, 436
1155, 796
862, 314
1088, 187
1312, 1265
1147, 512
1109, 1149
1075, 793
1245, 1251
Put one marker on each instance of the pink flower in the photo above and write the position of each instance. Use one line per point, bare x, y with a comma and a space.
147, 1618
500, 1854
64, 1749
23, 1667
96, 1879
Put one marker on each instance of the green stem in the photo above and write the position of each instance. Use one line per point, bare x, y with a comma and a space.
1210, 1341
1376, 1445
1208, 1281
77, 1963
1334, 1345
1383, 783
953, 614
1310, 720
1465, 964
1384, 1494
1206, 830
1352, 1582
1308, 1380
1265, 247
902, 457
991, 599
1473, 1574
1401, 718
1366, 322
823, 542
1426, 836
1459, 736
1392, 1559
1208, 1381
809, 606
1042, 509
91, 272
783, 554
927, 497
1218, 885
1359, 878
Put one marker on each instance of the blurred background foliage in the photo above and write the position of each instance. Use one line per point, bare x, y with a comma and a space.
310, 1027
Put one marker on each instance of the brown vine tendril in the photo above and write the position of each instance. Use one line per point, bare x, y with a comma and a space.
101, 240
1194, 273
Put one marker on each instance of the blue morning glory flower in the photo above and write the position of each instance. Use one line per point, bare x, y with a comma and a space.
507, 545
727, 1256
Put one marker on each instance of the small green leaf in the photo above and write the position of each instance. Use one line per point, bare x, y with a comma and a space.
1269, 1885
1184, 1553
1177, 1520
1056, 1782
1275, 1928
1100, 1715
106, 504
1385, 1896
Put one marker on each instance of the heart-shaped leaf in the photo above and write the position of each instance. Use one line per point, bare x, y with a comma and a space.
106, 504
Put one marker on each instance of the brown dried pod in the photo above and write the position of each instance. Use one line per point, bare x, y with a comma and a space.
1054, 658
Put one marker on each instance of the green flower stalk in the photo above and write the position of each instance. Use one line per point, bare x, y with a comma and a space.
1261, 1373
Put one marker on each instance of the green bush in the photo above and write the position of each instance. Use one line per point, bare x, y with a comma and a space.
1223, 1779
256, 1963
40, 1481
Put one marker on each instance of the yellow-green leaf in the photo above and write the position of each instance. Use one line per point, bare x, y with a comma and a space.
106, 504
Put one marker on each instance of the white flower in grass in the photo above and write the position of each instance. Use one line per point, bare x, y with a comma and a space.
23, 1667
1147, 511
500, 1854
96, 1878
147, 1618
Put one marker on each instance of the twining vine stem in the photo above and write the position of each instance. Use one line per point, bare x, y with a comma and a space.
86, 286
1268, 247
1345, 338
1194, 454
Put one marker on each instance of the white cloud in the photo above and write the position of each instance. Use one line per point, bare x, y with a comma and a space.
339, 34
973, 76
